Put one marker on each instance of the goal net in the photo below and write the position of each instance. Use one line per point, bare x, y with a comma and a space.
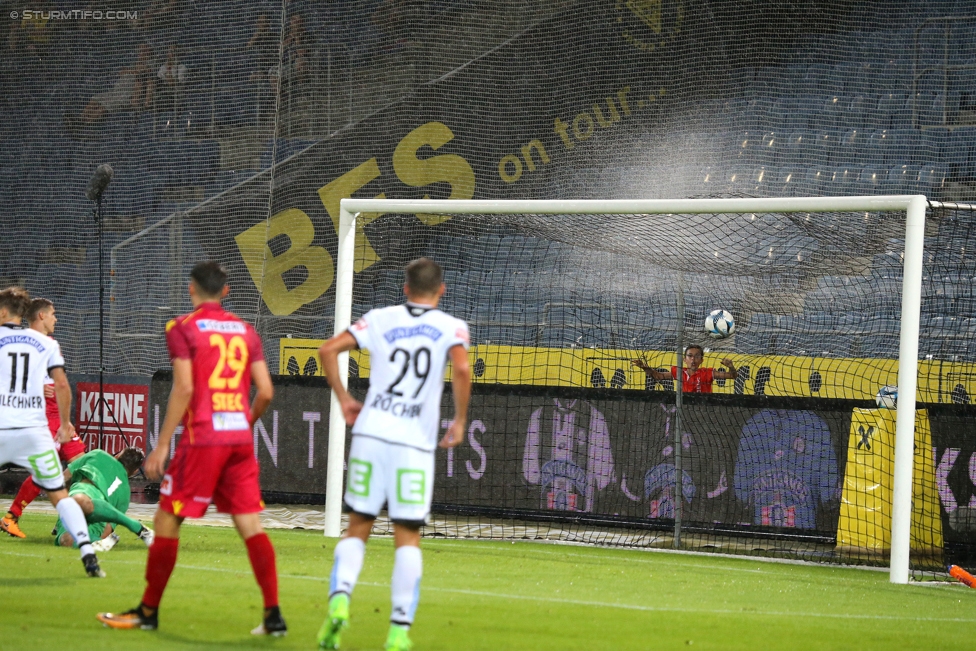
570, 438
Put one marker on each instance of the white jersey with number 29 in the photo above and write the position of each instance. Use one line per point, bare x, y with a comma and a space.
408, 351
26, 358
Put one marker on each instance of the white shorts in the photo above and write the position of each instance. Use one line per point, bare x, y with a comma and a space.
399, 476
34, 449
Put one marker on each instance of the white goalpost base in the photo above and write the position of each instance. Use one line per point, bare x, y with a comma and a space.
913, 205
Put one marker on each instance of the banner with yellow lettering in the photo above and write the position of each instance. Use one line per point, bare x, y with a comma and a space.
513, 123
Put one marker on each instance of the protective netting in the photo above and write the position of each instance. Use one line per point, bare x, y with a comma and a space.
576, 321
235, 127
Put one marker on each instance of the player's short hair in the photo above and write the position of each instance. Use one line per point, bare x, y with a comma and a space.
424, 276
131, 459
15, 300
37, 305
210, 277
697, 347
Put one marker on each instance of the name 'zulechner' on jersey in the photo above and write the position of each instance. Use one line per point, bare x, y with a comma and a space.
26, 357
409, 347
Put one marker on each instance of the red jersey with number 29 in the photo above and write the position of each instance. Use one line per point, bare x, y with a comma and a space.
222, 349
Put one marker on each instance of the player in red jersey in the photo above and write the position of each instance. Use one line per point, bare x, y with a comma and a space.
41, 317
696, 379
215, 358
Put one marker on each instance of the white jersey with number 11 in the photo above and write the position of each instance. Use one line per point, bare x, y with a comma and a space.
26, 358
408, 352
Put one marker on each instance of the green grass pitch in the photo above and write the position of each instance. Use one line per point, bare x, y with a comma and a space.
475, 595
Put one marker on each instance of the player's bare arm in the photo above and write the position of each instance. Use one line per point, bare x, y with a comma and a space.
62, 391
179, 400
722, 374
653, 372
261, 377
461, 387
329, 354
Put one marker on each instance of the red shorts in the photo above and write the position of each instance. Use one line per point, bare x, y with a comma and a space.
67, 451
226, 475
73, 448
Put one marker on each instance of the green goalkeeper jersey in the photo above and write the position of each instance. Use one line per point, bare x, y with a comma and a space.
105, 473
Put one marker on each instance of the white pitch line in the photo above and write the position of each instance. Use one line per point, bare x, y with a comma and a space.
580, 602
718, 556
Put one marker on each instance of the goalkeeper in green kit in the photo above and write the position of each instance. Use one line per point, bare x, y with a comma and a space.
99, 483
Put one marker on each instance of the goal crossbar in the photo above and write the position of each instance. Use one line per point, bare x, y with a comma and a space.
914, 207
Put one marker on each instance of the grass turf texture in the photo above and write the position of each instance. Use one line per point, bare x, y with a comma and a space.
474, 595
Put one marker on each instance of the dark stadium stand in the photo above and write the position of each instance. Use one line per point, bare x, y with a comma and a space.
866, 124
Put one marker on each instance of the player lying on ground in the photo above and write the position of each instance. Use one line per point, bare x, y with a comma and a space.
41, 317
99, 483
695, 379
394, 435
215, 357
24, 437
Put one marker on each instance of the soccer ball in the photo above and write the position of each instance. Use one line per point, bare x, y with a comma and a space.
719, 324
887, 397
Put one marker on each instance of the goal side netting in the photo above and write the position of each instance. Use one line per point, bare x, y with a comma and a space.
578, 312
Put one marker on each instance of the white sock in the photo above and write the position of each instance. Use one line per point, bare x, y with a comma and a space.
74, 522
408, 566
349, 553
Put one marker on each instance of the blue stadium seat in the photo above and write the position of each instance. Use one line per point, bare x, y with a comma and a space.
817, 322
902, 179
894, 111
753, 342
814, 181
838, 78
778, 113
957, 151
798, 147
852, 144
828, 146
748, 146
832, 112
903, 145
813, 81
789, 183
872, 180
874, 150
842, 180
771, 148
883, 345
860, 112
932, 179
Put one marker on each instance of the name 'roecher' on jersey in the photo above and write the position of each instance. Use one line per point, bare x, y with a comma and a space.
408, 346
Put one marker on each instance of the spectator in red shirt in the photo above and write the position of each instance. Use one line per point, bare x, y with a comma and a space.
695, 379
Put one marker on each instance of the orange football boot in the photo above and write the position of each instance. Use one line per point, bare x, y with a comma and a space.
9, 525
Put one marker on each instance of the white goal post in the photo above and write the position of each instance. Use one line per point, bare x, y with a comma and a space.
913, 205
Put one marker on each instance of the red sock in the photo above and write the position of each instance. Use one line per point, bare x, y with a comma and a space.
159, 567
262, 556
28, 493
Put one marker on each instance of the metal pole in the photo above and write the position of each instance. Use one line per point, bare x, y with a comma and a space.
871, 203
100, 403
901, 513
337, 424
678, 391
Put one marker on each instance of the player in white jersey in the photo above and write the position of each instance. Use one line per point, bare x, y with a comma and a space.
394, 436
26, 357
